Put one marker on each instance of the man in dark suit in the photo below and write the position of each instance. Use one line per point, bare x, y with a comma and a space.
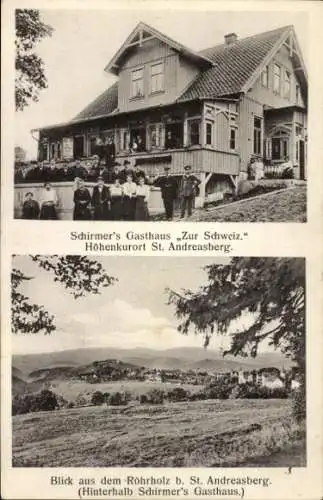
168, 187
78, 170
188, 190
124, 171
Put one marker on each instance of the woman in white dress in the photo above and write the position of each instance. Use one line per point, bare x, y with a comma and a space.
48, 201
142, 192
129, 198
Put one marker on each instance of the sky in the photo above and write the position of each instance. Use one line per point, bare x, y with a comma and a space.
85, 40
131, 313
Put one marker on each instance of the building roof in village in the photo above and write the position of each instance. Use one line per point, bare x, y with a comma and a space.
233, 69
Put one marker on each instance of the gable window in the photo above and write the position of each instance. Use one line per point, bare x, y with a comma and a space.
157, 78
257, 135
193, 132
287, 79
277, 77
137, 83
209, 133
265, 77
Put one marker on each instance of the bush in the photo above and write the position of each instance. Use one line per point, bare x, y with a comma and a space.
219, 390
143, 399
288, 173
45, 400
97, 398
155, 396
178, 394
119, 399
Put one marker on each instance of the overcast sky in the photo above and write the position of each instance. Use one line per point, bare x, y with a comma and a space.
85, 40
131, 313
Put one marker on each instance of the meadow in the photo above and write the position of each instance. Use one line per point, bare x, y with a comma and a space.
70, 389
226, 433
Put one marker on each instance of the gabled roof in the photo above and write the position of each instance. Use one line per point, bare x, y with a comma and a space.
102, 105
144, 32
234, 65
231, 69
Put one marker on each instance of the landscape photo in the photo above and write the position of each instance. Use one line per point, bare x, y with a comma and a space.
158, 362
203, 119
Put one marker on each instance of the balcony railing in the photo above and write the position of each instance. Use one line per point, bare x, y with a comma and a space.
200, 159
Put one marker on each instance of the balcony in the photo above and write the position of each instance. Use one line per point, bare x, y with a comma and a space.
201, 159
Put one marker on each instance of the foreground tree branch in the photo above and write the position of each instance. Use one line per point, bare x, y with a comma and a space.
271, 289
30, 70
79, 275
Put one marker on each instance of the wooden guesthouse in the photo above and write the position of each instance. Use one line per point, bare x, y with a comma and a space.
213, 109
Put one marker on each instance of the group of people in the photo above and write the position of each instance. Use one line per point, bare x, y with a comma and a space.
126, 198
127, 201
66, 171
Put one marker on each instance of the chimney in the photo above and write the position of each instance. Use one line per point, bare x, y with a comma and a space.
230, 38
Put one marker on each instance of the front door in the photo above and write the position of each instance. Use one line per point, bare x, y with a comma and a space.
301, 159
79, 146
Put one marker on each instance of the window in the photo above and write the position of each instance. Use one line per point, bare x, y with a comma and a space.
155, 133
193, 132
233, 138
137, 83
92, 145
174, 135
287, 80
257, 136
277, 72
157, 78
265, 77
298, 94
209, 134
122, 140
138, 140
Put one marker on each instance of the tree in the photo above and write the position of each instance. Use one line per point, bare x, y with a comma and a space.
98, 398
30, 73
271, 289
47, 400
79, 275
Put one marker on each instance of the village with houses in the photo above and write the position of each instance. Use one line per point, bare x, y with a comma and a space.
115, 370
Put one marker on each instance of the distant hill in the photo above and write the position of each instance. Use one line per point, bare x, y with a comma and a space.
64, 362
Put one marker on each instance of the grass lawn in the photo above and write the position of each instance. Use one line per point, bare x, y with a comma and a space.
190, 434
288, 205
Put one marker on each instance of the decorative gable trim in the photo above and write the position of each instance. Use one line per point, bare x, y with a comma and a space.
143, 33
288, 38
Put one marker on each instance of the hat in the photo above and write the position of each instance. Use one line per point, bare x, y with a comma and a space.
100, 178
187, 167
166, 168
126, 162
116, 164
29, 192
